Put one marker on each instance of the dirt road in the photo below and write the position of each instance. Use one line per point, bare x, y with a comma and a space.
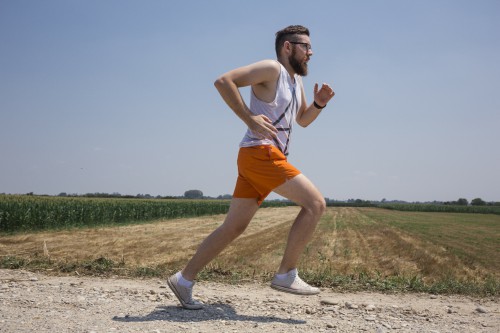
31, 302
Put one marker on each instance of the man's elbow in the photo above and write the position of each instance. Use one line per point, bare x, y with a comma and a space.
220, 82
301, 123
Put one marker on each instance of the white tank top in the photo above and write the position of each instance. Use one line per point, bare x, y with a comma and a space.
281, 112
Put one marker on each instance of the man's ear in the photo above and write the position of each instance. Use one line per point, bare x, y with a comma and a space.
287, 46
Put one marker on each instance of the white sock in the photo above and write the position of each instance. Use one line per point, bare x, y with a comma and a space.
182, 281
284, 275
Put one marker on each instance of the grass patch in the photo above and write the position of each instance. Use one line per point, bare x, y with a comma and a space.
364, 281
360, 281
472, 238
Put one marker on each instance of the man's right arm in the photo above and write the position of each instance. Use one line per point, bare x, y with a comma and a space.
263, 74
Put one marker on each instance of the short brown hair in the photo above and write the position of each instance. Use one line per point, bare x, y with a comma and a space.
287, 35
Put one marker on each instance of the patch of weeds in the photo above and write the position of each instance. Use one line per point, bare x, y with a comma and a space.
414, 283
12, 262
364, 280
492, 286
489, 287
216, 272
68, 267
100, 265
40, 264
148, 272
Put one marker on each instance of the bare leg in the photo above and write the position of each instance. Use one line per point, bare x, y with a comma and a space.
303, 192
239, 216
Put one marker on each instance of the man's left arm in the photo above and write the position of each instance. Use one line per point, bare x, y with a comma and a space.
307, 114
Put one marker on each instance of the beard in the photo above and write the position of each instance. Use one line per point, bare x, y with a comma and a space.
299, 66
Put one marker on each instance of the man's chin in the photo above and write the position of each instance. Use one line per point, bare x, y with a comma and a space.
304, 70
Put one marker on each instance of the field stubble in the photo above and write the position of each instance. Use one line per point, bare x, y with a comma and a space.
353, 248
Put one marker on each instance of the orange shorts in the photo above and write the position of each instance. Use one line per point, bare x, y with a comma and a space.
260, 170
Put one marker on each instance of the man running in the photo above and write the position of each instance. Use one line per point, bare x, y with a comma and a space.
277, 100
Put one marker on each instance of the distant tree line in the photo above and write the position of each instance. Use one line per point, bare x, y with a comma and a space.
372, 203
474, 202
198, 194
111, 195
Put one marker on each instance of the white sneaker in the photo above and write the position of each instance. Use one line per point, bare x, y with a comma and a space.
294, 284
184, 294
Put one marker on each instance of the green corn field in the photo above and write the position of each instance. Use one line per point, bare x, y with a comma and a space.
30, 213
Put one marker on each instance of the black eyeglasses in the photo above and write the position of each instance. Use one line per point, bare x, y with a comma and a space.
308, 47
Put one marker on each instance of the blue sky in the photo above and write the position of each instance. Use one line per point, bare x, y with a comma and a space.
118, 96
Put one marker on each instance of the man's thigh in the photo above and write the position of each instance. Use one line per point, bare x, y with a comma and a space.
300, 190
241, 211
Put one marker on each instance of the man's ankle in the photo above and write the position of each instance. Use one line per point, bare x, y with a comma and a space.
282, 276
183, 281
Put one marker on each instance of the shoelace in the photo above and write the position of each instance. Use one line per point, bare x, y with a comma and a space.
301, 282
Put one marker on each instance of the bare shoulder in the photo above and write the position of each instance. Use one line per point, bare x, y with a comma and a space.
264, 68
267, 70
258, 73
268, 64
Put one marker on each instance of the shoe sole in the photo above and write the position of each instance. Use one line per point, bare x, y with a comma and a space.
176, 293
294, 291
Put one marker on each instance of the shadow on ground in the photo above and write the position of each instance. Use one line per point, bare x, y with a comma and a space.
211, 312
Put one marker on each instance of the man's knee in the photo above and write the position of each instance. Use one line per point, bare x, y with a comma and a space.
316, 206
